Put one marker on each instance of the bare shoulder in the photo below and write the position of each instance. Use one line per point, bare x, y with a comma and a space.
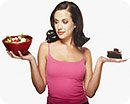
87, 53
43, 49
43, 45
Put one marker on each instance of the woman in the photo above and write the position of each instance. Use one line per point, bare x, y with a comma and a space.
63, 64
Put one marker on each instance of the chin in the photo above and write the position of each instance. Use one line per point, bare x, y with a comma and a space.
61, 37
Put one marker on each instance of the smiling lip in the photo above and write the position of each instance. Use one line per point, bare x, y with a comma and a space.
60, 32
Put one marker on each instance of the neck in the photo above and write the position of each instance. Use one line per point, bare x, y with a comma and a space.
67, 41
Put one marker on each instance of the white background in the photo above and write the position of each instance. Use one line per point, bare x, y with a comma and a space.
106, 22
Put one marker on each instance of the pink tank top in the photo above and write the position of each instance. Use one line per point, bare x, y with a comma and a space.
65, 81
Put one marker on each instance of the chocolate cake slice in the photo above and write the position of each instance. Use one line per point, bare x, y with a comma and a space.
114, 54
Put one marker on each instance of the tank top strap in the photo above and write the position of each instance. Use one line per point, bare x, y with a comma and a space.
83, 51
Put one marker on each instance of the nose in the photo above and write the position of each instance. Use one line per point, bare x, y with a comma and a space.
60, 26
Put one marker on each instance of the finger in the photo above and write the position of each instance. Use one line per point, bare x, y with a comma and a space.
9, 53
14, 56
124, 60
116, 60
20, 54
121, 60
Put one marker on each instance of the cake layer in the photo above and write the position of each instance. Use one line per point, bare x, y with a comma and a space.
114, 54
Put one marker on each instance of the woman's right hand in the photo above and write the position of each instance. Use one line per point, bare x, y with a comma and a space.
28, 57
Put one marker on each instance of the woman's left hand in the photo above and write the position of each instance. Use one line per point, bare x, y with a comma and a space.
104, 59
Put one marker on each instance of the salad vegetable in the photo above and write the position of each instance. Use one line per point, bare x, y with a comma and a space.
19, 39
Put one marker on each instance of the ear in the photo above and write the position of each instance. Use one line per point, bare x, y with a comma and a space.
74, 26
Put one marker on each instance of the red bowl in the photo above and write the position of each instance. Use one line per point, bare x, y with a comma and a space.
15, 47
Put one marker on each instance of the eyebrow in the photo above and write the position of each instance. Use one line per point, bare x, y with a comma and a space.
62, 19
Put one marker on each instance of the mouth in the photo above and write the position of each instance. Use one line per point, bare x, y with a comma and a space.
61, 32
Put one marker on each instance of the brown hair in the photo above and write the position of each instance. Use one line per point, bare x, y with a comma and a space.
78, 35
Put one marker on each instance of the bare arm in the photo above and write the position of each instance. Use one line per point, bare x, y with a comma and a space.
92, 79
37, 70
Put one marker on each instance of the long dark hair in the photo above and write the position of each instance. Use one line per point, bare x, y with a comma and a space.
78, 35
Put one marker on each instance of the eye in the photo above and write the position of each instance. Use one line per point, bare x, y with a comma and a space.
55, 21
65, 21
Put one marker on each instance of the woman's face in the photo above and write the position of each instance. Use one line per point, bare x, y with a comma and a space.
63, 23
